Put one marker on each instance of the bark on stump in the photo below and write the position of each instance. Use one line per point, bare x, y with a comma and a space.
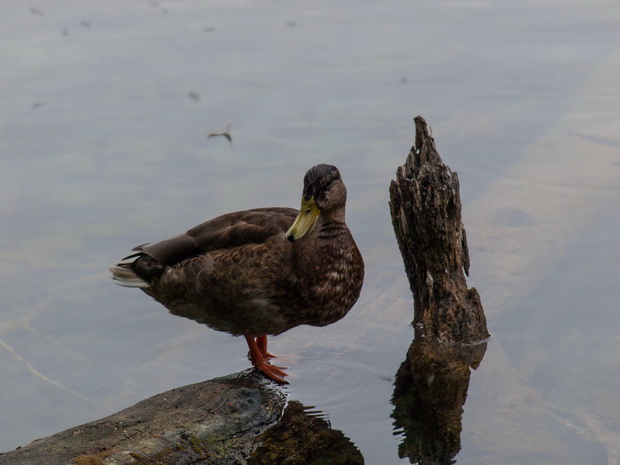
426, 214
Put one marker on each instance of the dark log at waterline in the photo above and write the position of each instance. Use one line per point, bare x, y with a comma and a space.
426, 214
215, 421
238, 419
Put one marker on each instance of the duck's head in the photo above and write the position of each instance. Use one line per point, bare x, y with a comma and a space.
323, 192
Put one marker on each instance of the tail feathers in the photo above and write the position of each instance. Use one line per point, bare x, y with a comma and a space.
123, 275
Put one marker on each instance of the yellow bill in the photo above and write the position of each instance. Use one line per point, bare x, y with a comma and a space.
305, 219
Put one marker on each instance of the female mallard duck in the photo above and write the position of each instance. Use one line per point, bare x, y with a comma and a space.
258, 272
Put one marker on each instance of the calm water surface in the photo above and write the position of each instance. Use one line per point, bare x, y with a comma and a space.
103, 147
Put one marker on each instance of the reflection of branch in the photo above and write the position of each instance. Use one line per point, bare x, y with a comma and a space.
592, 429
54, 342
36, 373
429, 394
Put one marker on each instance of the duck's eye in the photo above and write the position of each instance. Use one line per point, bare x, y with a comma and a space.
308, 211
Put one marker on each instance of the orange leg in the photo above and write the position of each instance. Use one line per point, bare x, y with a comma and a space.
258, 360
261, 342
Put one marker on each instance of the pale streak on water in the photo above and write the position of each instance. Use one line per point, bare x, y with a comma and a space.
102, 149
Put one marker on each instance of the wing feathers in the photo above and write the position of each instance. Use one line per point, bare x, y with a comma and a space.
226, 231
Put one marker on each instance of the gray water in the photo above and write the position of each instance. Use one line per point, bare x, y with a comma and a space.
102, 147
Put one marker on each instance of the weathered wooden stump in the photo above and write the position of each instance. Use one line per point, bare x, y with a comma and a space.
426, 214
450, 326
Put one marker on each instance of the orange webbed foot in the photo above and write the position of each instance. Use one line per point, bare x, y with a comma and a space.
273, 372
259, 356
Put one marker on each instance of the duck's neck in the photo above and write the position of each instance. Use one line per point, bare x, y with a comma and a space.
329, 225
324, 239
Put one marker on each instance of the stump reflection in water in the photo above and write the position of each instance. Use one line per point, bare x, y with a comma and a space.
429, 395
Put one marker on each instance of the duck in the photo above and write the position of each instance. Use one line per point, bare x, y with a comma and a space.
259, 272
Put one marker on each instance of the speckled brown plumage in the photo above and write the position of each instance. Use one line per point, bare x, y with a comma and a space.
244, 274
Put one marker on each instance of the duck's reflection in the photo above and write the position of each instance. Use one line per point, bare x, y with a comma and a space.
304, 436
429, 393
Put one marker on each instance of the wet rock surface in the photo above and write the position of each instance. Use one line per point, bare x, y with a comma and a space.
214, 422
238, 419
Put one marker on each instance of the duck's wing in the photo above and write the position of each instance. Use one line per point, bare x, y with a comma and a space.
226, 231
